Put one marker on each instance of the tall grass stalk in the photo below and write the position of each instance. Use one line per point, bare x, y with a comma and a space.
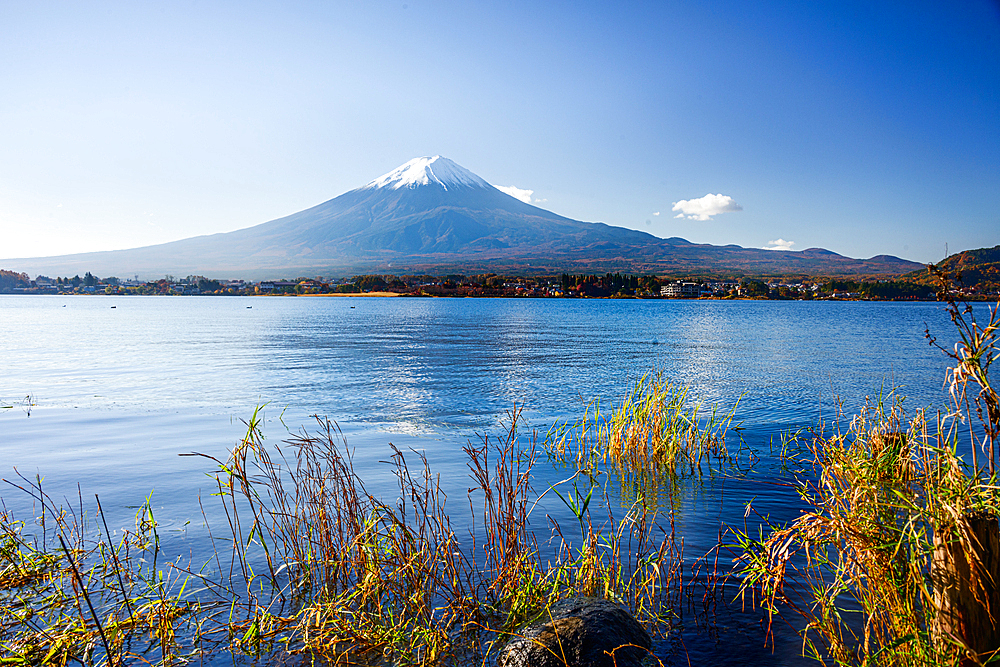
309, 562
894, 560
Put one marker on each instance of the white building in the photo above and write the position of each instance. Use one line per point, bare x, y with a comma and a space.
680, 289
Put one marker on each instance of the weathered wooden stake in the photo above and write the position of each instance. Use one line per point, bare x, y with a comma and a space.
965, 570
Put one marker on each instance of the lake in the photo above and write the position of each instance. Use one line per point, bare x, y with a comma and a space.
106, 392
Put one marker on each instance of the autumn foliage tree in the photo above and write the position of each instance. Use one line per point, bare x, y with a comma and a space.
10, 279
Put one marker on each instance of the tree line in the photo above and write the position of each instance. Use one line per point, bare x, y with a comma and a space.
9, 280
492, 284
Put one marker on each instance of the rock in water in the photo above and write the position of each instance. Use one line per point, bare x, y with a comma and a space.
579, 632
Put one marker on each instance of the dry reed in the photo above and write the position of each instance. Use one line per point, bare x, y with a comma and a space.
309, 562
889, 504
649, 439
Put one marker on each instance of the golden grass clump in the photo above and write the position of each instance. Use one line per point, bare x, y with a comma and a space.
654, 435
360, 577
896, 557
62, 603
859, 564
309, 562
656, 427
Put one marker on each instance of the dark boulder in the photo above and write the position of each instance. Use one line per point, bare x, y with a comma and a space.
579, 632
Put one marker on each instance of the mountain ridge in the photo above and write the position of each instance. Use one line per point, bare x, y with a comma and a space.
431, 214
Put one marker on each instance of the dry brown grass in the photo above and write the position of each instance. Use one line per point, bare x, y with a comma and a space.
865, 566
309, 562
648, 440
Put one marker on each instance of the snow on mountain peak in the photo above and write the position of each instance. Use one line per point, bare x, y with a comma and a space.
426, 171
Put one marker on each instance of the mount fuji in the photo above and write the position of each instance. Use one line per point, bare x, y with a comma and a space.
432, 215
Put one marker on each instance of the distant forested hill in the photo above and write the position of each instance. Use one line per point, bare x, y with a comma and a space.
979, 269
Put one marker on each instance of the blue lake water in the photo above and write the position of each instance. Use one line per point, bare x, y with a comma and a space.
120, 386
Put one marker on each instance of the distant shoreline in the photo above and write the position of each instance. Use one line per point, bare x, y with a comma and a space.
985, 298
353, 294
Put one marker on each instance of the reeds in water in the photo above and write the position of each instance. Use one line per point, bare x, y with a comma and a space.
648, 439
656, 427
65, 598
896, 557
308, 562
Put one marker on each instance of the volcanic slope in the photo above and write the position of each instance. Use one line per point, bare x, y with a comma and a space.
432, 215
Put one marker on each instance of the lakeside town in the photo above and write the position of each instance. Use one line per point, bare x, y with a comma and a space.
489, 285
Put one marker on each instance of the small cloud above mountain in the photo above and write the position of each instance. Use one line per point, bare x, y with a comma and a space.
779, 244
705, 207
516, 192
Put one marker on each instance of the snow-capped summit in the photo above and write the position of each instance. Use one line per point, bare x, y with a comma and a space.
435, 170
432, 216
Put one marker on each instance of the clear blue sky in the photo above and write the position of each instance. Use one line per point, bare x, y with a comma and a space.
861, 127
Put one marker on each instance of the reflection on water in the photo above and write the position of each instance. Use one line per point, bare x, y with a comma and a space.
121, 392
427, 364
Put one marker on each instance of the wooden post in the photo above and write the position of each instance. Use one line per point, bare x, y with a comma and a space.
966, 590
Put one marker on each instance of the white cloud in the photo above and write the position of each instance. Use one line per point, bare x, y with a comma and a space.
705, 207
779, 244
517, 193
656, 213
